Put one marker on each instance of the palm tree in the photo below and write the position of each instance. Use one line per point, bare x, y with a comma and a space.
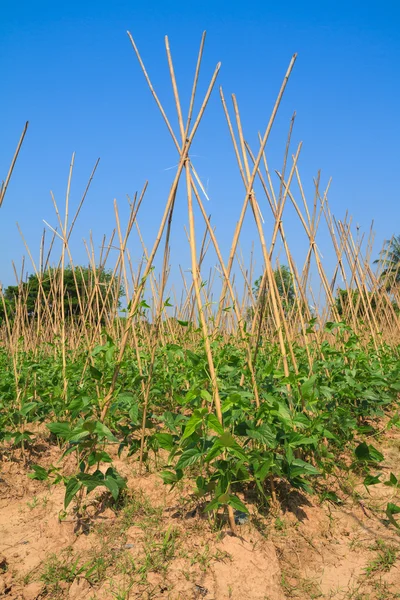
389, 260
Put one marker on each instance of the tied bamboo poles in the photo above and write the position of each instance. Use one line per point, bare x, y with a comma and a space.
192, 170
170, 201
249, 191
268, 277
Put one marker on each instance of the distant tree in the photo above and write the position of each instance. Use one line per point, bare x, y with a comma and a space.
346, 299
79, 282
6, 308
389, 260
285, 286
349, 302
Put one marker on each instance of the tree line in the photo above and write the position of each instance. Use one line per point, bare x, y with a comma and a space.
85, 288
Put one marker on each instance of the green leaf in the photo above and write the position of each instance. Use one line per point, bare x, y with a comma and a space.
237, 451
214, 424
365, 453
282, 413
297, 439
72, 488
205, 394
97, 350
392, 509
307, 388
103, 431
20, 436
213, 505
264, 469
302, 484
61, 429
201, 484
237, 504
97, 457
134, 414
91, 481
371, 480
126, 397
165, 441
89, 425
375, 454
95, 373
329, 326
223, 498
289, 454
112, 485
189, 457
78, 434
191, 426
329, 436
77, 404
393, 481
227, 440
300, 467
39, 473
214, 451
263, 434
332, 497
27, 408
169, 477
362, 452
111, 472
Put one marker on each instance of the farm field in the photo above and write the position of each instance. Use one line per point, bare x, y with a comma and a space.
238, 438
155, 544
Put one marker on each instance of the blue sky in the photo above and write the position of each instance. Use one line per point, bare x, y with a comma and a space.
70, 70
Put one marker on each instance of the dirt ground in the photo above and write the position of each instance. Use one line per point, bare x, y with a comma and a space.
158, 546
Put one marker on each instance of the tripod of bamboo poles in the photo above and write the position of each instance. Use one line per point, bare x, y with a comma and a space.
167, 212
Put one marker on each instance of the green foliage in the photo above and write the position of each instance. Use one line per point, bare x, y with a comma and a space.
350, 302
285, 286
6, 309
389, 261
295, 434
80, 284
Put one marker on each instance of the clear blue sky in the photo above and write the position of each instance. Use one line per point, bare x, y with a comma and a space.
68, 68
